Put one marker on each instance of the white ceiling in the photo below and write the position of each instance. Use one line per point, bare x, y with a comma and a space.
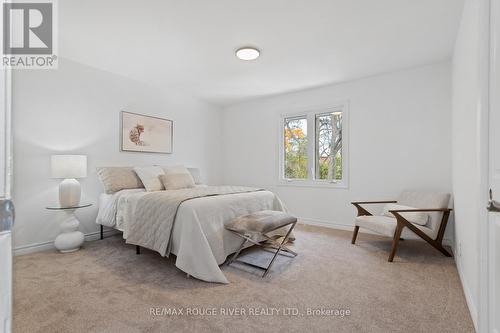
190, 44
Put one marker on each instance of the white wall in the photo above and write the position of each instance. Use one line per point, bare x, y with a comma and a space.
465, 121
3, 135
75, 109
400, 138
5, 132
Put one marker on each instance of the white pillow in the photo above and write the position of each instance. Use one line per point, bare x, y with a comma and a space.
115, 179
195, 172
174, 168
420, 218
176, 178
150, 177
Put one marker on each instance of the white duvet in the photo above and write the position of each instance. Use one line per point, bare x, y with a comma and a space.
199, 239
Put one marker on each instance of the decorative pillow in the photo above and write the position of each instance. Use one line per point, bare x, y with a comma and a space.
150, 177
420, 218
174, 168
177, 177
195, 172
115, 179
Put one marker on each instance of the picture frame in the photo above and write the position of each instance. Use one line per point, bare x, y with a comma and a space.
145, 134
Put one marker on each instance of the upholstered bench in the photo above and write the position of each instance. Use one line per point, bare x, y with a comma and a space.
254, 228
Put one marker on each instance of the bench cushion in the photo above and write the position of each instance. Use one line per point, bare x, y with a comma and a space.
260, 222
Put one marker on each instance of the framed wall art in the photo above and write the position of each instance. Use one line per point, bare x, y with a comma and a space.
147, 134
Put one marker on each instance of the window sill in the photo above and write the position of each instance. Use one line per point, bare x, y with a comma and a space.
309, 183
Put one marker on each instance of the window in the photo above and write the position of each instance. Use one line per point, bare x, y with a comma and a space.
313, 149
295, 132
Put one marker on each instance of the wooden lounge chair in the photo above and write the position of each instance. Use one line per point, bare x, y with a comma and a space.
414, 215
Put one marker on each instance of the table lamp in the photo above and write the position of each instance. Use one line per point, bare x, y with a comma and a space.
69, 167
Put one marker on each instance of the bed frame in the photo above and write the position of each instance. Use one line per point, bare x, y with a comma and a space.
137, 247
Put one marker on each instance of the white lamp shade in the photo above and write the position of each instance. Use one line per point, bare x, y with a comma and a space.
69, 166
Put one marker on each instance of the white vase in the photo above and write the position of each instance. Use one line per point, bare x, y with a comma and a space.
69, 193
70, 239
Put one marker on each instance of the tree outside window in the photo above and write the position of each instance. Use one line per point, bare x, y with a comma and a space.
295, 148
317, 157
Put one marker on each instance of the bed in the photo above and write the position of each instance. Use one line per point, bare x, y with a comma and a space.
197, 235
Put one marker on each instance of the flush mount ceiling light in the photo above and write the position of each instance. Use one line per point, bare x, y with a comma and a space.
247, 53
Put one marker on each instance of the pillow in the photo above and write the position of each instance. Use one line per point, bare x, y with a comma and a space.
174, 168
420, 218
150, 177
176, 178
115, 179
195, 172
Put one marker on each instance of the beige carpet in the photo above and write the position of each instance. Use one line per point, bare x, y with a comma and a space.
106, 287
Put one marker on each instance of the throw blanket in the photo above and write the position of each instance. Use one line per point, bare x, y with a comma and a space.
156, 211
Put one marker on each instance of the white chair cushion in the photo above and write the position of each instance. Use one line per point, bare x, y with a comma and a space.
427, 199
420, 218
386, 226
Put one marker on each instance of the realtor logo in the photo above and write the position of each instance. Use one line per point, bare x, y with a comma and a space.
29, 39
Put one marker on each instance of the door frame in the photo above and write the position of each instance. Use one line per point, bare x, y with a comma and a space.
6, 147
6, 108
8, 143
489, 18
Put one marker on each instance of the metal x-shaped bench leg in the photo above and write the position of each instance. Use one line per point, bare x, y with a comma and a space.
279, 249
277, 246
233, 258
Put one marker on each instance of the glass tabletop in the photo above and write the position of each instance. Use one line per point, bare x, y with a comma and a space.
57, 207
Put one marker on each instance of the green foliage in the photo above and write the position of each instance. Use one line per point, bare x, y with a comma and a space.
296, 159
324, 168
328, 144
295, 149
296, 165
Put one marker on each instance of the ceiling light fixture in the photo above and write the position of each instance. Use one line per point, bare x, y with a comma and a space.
247, 53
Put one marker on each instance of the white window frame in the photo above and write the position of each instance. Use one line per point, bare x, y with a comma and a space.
310, 113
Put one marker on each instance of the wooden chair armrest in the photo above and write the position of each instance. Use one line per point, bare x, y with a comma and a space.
421, 210
364, 212
402, 222
372, 202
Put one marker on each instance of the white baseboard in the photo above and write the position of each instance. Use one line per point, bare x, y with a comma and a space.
328, 224
350, 227
37, 247
468, 295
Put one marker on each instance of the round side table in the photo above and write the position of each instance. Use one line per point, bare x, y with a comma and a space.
70, 238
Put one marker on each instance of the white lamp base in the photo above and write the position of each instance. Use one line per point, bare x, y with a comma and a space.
69, 193
70, 239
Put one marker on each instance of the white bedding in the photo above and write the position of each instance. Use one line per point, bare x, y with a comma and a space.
108, 207
199, 239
